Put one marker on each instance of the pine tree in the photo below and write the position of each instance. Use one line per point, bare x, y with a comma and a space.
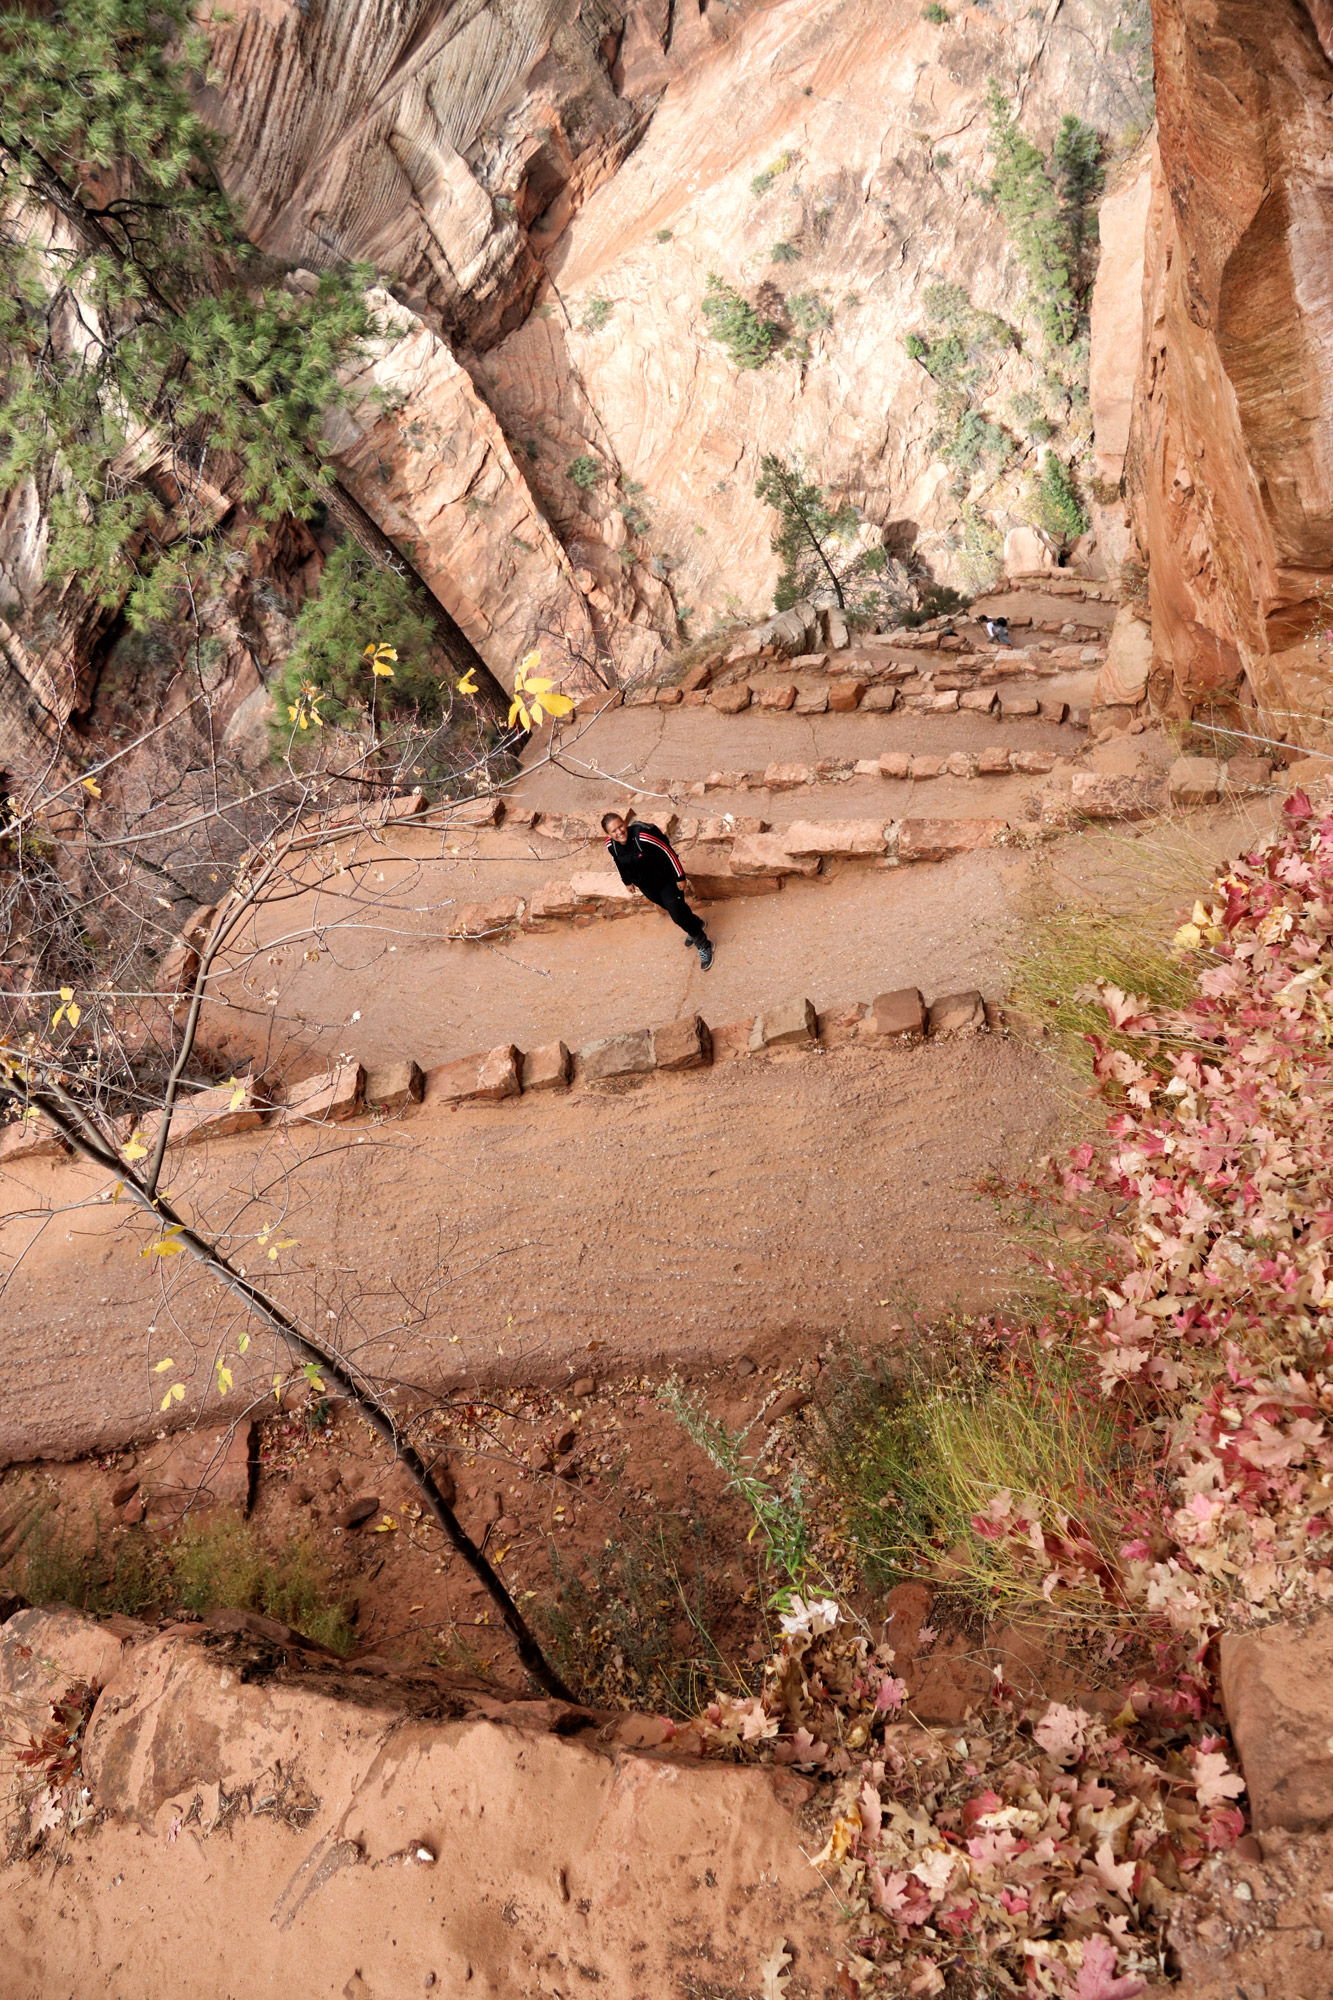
138, 341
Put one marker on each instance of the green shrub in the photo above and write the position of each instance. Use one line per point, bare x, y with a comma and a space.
662, 235
357, 605
972, 440
1058, 508
942, 161
732, 320
784, 253
595, 314
585, 471
935, 13
808, 312
1029, 418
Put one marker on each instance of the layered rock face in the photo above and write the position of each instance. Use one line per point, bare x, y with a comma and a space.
549, 196
1230, 467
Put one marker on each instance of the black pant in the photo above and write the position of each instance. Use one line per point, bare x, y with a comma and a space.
671, 899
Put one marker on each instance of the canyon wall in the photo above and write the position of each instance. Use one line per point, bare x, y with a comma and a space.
1230, 471
544, 190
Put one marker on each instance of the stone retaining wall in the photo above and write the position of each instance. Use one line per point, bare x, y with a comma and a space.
351, 1091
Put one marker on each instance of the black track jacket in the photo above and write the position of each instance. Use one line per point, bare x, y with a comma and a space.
646, 859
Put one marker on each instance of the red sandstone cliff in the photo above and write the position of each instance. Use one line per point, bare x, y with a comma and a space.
1230, 472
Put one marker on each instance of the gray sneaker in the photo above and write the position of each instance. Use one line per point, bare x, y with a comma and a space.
705, 954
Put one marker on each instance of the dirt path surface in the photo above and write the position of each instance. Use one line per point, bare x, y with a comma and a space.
379, 991
759, 1206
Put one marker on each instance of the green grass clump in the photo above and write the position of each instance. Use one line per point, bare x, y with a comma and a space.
216, 1563
595, 314
1070, 946
784, 253
914, 1456
222, 1564
936, 14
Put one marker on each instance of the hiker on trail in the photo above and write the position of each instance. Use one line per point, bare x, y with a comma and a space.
997, 631
645, 859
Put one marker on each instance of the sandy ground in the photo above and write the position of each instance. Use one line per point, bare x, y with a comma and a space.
380, 990
776, 1202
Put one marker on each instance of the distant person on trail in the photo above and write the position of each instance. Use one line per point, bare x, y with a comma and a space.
645, 859
997, 631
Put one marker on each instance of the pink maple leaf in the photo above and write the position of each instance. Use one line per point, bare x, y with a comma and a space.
1097, 1975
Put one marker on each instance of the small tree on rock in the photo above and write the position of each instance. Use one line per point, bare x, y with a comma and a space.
816, 541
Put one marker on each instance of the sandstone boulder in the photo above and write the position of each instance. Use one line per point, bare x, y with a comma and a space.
683, 1044
895, 1015
1275, 1688
546, 1068
956, 1013
730, 700
1196, 781
787, 1025
327, 1099
1027, 552
482, 1079
937, 839
616, 1055
838, 836
393, 1086
1123, 680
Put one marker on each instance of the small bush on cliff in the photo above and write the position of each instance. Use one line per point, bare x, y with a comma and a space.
595, 314
1058, 507
784, 253
585, 471
765, 178
936, 14
748, 338
356, 605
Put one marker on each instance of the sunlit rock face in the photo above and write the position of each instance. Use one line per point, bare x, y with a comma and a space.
1231, 460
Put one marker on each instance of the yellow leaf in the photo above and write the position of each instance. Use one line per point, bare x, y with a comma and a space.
175, 1394
277, 1389
67, 992
524, 717
536, 711
237, 1098
291, 711
304, 724
91, 784
224, 1379
514, 707
369, 653
288, 1242
387, 653
388, 1526
539, 687
57, 1017
162, 1367
170, 1248
135, 1150
468, 684
242, 1342
382, 670
1188, 938
558, 704
528, 662
72, 1014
